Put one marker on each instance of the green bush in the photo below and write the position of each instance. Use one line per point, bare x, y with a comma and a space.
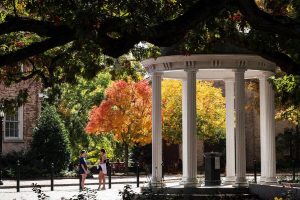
147, 194
29, 167
50, 143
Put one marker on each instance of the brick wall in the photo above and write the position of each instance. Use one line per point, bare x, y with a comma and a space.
31, 110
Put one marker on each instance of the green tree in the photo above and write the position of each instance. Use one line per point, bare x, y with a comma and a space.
74, 104
287, 89
96, 143
50, 142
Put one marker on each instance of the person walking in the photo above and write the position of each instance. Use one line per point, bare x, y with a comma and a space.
83, 171
102, 169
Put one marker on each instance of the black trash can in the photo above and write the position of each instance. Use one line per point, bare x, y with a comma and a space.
212, 168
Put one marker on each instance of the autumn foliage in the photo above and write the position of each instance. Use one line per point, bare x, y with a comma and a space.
210, 111
126, 112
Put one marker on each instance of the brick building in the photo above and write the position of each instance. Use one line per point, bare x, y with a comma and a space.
16, 131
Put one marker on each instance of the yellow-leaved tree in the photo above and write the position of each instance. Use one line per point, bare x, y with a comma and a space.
210, 111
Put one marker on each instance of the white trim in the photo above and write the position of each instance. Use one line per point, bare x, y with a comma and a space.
20, 126
210, 66
230, 135
21, 121
156, 178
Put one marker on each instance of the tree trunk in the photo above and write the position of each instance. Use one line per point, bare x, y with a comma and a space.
126, 151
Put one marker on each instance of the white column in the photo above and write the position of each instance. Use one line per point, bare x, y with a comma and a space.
230, 138
189, 130
240, 128
267, 130
156, 179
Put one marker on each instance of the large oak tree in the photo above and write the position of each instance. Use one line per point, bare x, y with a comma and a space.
65, 38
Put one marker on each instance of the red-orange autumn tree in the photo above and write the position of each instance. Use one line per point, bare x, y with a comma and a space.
126, 112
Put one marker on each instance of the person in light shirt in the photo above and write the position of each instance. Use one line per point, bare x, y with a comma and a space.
102, 169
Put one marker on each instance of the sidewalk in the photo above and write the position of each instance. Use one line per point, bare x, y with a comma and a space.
62, 193
67, 188
90, 181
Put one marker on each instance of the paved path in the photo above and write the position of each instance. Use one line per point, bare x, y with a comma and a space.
90, 181
67, 188
61, 193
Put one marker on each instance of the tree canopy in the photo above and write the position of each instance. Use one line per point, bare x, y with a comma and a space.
73, 36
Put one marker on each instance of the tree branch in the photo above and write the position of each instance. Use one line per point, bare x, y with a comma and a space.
35, 48
29, 76
261, 20
170, 32
286, 63
163, 34
42, 28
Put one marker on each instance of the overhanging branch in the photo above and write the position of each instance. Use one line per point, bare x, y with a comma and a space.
42, 28
34, 49
286, 63
164, 34
261, 20
169, 32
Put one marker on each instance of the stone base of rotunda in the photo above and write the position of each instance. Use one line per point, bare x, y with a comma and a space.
241, 182
189, 182
229, 180
268, 181
156, 184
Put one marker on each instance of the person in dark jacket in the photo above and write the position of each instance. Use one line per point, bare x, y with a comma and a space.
83, 171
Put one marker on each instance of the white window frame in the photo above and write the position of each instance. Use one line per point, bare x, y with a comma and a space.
20, 126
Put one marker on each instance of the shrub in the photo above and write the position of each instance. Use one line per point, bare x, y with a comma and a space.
29, 168
50, 142
160, 194
147, 194
87, 194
